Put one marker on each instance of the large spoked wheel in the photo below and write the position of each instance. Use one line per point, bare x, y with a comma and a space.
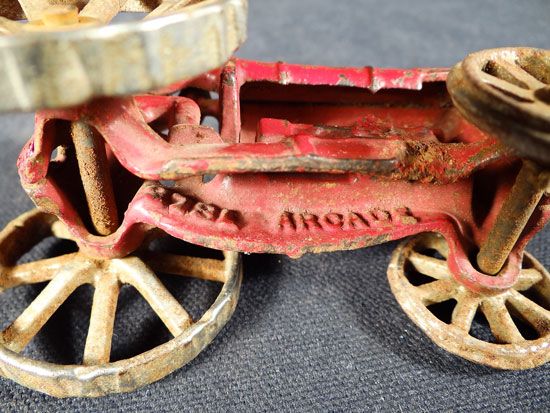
518, 334
507, 92
63, 56
97, 376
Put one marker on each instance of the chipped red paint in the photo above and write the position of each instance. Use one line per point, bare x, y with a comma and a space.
308, 159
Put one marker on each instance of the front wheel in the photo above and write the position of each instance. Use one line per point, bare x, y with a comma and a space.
518, 318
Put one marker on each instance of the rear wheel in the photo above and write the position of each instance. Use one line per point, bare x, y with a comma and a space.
98, 376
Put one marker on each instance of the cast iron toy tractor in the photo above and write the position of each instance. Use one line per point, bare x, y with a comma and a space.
305, 160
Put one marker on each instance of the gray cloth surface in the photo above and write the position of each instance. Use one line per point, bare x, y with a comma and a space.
323, 332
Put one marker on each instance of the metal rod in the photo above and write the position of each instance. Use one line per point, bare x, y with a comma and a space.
96, 178
531, 184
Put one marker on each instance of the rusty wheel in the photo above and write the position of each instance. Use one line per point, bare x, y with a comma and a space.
518, 333
97, 376
507, 92
63, 56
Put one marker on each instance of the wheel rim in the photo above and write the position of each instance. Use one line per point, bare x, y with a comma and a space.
97, 376
507, 93
503, 311
176, 41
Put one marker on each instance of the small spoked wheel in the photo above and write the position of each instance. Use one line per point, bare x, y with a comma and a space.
97, 376
61, 55
518, 319
506, 92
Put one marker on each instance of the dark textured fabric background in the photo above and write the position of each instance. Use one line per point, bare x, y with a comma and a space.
324, 332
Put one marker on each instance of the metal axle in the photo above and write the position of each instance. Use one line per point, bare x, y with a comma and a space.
96, 178
530, 186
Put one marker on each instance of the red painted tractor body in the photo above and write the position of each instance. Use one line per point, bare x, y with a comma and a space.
307, 159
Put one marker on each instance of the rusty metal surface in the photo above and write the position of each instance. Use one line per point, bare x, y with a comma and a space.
528, 301
267, 124
98, 376
95, 174
79, 58
378, 138
529, 188
507, 92
307, 159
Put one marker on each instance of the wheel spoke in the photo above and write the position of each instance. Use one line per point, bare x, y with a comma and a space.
202, 268
134, 272
528, 278
36, 272
170, 6
503, 327
102, 10
508, 88
8, 26
464, 312
432, 267
520, 74
33, 9
29, 323
542, 289
534, 314
102, 320
437, 291
437, 243
60, 230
